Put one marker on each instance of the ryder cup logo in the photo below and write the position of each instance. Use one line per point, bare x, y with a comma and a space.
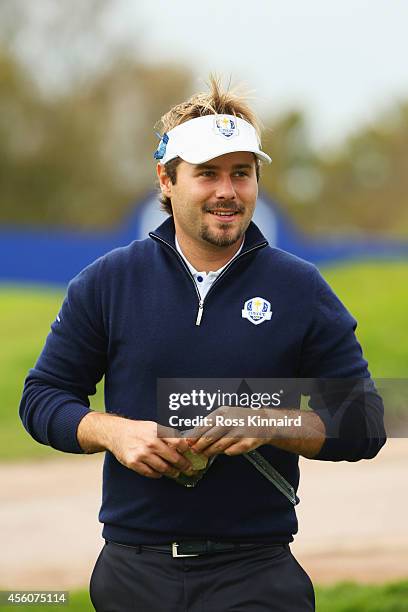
257, 310
225, 126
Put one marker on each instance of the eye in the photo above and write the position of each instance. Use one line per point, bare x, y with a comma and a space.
241, 173
207, 173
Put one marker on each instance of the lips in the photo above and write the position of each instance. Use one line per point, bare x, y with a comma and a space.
224, 216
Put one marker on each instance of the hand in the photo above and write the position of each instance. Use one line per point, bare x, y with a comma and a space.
230, 432
136, 446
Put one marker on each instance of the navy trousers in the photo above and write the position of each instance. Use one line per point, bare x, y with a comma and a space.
263, 579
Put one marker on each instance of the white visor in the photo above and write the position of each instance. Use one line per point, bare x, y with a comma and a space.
198, 140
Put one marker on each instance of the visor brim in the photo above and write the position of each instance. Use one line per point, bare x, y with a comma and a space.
197, 158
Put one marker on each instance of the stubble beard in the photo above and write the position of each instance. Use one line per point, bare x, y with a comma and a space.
223, 236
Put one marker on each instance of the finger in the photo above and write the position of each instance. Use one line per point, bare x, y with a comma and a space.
202, 444
174, 475
178, 444
146, 470
200, 431
233, 450
170, 455
209, 438
219, 446
173, 438
167, 432
159, 465
242, 445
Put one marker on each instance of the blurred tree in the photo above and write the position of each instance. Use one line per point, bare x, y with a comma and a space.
76, 132
83, 158
294, 178
60, 43
362, 186
368, 178
80, 155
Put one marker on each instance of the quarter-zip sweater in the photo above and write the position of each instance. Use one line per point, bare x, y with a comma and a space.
204, 280
135, 315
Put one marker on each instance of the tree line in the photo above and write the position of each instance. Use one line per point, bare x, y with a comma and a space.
80, 153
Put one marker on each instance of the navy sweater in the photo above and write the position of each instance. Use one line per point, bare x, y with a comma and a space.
131, 316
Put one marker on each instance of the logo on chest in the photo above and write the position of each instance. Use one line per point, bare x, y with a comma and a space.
257, 310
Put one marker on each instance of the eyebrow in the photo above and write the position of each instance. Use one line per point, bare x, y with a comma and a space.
215, 167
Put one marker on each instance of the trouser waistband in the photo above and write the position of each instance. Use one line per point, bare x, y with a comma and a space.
197, 547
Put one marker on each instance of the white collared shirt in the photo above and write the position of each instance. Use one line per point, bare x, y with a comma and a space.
204, 280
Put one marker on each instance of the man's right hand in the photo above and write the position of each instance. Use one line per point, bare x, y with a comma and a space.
134, 444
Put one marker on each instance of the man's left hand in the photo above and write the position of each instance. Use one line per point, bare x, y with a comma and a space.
229, 433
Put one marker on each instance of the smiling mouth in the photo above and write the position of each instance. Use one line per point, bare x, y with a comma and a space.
223, 215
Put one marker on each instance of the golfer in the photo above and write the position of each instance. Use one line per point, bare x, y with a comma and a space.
203, 297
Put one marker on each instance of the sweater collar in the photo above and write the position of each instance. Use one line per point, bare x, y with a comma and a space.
253, 235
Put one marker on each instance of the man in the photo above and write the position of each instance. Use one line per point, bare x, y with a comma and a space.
203, 297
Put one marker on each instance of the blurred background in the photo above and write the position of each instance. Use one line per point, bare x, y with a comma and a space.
81, 88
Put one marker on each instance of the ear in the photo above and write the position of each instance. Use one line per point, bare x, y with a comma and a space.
164, 181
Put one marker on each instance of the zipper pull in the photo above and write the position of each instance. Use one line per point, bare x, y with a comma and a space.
200, 312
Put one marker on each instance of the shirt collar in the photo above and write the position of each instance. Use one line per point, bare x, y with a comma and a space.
213, 273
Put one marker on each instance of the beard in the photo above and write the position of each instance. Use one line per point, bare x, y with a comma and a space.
223, 236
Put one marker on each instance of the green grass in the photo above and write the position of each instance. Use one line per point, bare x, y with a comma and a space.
344, 597
377, 296
375, 293
350, 597
26, 314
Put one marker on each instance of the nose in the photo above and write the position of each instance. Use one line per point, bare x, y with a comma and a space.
225, 189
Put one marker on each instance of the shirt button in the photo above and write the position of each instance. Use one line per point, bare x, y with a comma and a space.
200, 279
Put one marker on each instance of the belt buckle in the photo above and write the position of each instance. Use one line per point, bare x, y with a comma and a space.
175, 552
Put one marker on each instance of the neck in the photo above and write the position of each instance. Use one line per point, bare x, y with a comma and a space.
206, 257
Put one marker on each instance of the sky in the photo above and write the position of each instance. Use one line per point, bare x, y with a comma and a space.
341, 62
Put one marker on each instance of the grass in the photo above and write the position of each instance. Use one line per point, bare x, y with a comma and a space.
26, 314
375, 293
377, 296
343, 597
350, 597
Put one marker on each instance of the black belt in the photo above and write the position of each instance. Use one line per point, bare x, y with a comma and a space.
196, 548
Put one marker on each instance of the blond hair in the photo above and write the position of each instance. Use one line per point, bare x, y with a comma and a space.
214, 102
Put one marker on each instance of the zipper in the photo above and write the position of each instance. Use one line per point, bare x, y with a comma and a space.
200, 311
258, 246
200, 300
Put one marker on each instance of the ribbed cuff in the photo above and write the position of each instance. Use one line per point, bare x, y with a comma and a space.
348, 437
335, 449
62, 431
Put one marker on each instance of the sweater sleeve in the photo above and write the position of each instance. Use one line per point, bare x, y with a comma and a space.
343, 393
72, 362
